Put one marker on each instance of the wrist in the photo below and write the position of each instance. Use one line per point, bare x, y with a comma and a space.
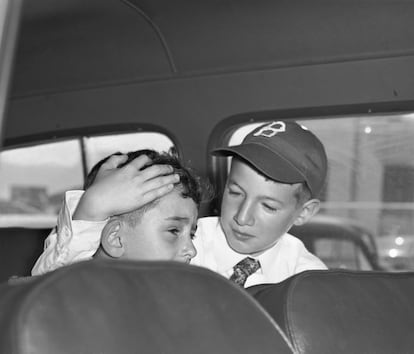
89, 209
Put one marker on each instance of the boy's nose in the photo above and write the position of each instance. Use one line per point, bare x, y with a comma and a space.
189, 249
244, 214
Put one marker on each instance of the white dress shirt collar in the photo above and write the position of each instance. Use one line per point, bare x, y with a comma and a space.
227, 258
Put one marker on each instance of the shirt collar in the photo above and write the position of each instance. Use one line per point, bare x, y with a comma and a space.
227, 258
267, 258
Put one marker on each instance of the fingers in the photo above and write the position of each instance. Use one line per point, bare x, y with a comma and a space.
139, 162
113, 162
159, 182
156, 171
136, 165
154, 194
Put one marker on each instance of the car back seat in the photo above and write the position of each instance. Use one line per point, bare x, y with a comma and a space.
325, 312
19, 250
133, 307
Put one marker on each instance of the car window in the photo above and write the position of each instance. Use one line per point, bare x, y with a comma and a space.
343, 254
98, 147
34, 178
370, 178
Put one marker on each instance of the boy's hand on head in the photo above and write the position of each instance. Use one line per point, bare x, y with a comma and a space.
111, 165
120, 190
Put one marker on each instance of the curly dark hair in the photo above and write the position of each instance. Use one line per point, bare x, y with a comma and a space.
190, 183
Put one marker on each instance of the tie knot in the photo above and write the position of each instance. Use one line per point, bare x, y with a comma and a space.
248, 265
244, 269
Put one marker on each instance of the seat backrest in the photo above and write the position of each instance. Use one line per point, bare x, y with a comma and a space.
325, 312
19, 249
134, 307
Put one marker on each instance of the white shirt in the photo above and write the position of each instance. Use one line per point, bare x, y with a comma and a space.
286, 258
70, 241
74, 240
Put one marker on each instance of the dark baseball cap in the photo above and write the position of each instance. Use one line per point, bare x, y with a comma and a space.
283, 151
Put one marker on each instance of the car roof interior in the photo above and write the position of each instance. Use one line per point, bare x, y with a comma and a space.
74, 70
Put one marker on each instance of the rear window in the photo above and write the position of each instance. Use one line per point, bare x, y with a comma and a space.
342, 254
370, 178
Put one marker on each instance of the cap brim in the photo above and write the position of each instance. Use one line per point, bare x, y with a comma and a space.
268, 162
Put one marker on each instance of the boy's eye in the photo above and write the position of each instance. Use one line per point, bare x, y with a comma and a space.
269, 207
234, 191
174, 231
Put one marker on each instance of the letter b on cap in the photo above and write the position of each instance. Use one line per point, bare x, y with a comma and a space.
271, 129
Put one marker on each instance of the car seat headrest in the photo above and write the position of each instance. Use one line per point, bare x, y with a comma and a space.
130, 307
343, 311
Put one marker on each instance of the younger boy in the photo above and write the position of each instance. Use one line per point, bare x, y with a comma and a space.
160, 229
276, 175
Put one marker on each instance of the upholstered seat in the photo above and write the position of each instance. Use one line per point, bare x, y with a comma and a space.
326, 312
127, 307
19, 249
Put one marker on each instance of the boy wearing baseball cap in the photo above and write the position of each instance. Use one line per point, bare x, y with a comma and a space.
276, 175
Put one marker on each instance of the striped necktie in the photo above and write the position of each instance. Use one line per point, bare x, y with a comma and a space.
244, 269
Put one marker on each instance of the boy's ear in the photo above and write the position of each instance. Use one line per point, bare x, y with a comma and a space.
111, 240
309, 209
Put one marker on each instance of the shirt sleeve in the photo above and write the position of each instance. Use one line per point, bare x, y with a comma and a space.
71, 240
